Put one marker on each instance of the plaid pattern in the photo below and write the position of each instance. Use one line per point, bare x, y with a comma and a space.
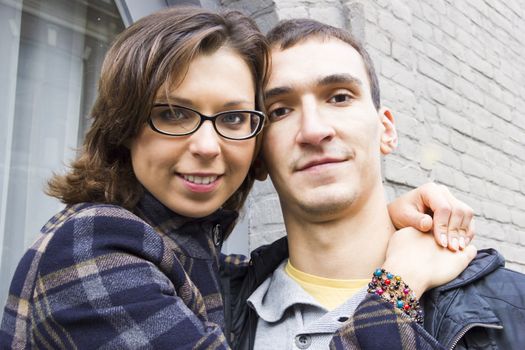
101, 277
379, 325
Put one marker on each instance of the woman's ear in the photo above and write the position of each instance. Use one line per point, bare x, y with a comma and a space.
389, 133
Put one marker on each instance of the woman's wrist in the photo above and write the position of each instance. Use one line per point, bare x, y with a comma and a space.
412, 277
393, 289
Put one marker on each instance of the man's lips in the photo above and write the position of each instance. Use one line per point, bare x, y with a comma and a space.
319, 162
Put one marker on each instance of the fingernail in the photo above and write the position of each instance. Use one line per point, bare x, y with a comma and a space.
444, 242
467, 240
462, 242
455, 244
426, 222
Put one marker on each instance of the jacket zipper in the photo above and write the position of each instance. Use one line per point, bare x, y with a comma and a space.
469, 327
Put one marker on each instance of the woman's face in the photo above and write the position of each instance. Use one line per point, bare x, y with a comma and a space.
194, 175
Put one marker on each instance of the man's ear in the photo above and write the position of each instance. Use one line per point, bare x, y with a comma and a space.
389, 133
259, 168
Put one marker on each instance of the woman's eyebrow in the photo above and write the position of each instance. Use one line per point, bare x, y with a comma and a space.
187, 102
173, 100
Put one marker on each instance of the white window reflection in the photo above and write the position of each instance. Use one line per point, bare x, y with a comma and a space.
50, 57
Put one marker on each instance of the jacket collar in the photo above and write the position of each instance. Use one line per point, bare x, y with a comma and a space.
454, 307
200, 238
485, 262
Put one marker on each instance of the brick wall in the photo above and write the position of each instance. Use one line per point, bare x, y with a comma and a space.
453, 72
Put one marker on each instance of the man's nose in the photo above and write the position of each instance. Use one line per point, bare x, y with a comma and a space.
205, 142
315, 127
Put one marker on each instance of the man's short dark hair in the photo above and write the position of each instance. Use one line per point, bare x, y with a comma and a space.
288, 33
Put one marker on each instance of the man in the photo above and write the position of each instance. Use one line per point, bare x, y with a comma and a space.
322, 150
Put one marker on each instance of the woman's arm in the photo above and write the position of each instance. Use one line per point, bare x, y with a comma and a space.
378, 324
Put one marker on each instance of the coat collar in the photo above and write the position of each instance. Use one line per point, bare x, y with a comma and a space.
199, 238
485, 262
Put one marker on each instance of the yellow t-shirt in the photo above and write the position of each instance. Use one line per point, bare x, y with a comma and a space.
328, 292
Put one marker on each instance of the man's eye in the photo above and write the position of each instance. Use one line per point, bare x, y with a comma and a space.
279, 113
340, 98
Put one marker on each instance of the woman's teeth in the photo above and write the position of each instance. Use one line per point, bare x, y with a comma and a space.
201, 180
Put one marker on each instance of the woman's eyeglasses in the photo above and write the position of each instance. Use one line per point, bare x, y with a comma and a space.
176, 120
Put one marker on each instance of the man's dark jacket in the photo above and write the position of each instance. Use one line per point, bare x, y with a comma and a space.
484, 308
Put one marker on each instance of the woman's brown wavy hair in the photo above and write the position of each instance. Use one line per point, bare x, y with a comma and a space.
156, 51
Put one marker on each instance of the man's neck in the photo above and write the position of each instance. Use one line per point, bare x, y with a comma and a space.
348, 247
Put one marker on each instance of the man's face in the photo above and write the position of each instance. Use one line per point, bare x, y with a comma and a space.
322, 147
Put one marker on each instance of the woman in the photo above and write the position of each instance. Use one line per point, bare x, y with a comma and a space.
133, 260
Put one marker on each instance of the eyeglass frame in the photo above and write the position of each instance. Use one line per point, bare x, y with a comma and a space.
211, 118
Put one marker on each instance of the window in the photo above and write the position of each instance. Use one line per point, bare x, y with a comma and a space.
52, 53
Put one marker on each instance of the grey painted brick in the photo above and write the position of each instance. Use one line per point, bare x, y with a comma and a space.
502, 178
472, 166
514, 236
478, 186
403, 172
498, 194
403, 55
376, 38
518, 217
421, 29
401, 11
443, 174
461, 182
457, 122
520, 201
496, 211
449, 157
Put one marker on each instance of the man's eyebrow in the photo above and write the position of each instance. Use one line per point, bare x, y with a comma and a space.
340, 79
343, 78
281, 90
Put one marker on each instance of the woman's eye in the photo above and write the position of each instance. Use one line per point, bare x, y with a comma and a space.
340, 98
279, 113
234, 118
175, 115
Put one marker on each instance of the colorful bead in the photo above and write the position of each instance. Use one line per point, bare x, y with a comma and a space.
398, 293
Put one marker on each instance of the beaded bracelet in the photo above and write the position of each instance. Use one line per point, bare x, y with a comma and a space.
394, 290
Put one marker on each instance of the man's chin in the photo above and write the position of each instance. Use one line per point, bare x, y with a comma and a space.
326, 205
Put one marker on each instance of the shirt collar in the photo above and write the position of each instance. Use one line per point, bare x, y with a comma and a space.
277, 293
280, 292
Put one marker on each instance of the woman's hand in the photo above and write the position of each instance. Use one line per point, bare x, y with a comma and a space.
421, 263
432, 206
